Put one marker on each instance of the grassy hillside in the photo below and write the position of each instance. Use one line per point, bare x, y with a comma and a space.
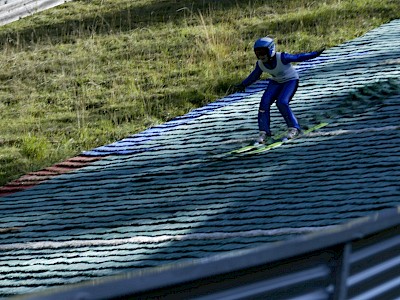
88, 73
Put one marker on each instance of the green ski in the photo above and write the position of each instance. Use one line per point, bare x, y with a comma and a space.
249, 148
265, 148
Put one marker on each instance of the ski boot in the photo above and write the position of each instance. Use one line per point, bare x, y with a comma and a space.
263, 137
292, 133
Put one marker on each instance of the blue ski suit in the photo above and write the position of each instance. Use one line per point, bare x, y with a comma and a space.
281, 88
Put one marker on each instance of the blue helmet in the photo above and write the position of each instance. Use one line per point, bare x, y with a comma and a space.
266, 42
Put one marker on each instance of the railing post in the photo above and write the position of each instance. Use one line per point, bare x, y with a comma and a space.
341, 273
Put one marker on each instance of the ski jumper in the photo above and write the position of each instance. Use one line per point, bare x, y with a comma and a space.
281, 88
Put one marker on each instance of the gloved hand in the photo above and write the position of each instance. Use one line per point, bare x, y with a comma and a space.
239, 88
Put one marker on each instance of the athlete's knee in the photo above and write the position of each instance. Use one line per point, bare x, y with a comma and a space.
282, 104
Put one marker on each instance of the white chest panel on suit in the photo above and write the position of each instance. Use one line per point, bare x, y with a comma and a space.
281, 73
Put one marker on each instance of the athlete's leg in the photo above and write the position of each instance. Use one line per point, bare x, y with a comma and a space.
264, 116
287, 92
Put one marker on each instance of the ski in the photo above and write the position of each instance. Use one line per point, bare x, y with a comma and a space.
252, 147
244, 149
265, 148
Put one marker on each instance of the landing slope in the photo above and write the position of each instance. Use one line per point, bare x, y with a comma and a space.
166, 194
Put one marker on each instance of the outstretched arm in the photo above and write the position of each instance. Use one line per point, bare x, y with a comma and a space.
289, 58
253, 77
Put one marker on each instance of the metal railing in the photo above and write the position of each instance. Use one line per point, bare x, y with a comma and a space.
13, 10
357, 260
